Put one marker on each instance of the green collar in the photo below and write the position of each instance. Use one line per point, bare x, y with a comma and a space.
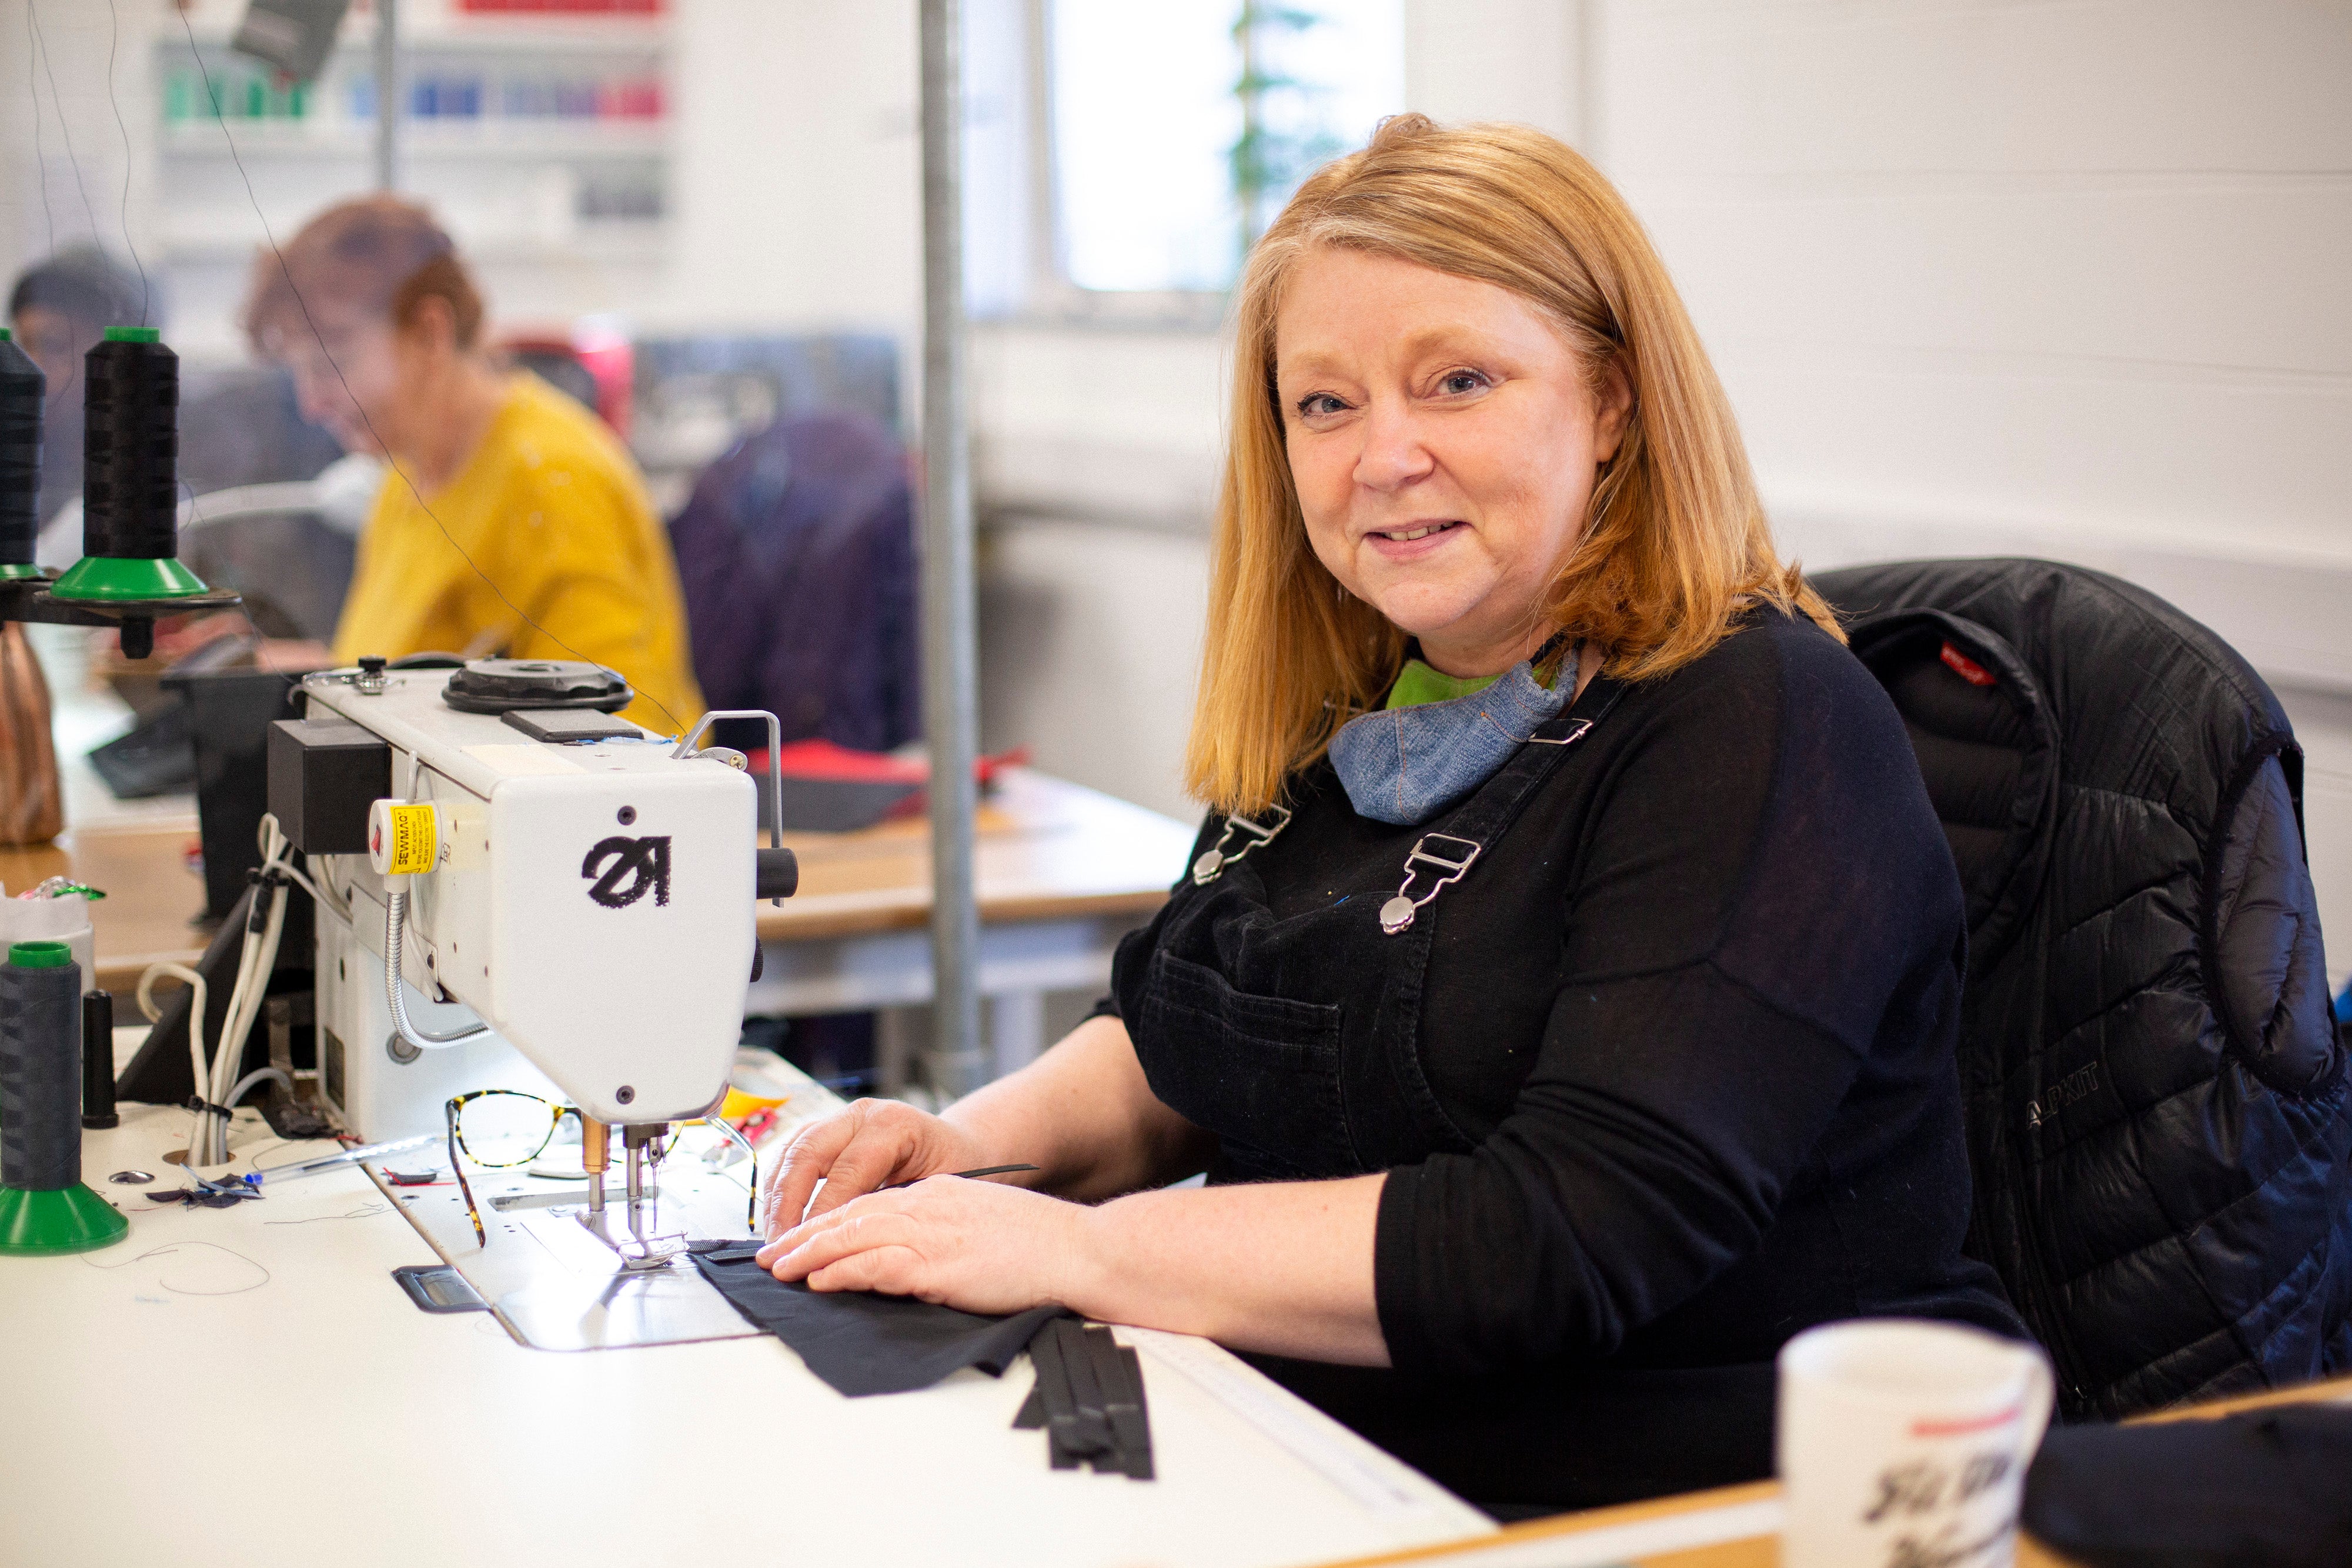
1418, 683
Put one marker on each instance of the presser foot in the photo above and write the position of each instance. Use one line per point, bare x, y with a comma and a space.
639, 1252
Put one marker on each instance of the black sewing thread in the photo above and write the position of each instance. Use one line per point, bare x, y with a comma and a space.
40, 1077
131, 449
22, 391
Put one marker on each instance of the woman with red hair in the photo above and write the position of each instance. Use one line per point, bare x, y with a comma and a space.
513, 521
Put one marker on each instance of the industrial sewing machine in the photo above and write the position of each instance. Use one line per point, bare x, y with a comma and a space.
519, 891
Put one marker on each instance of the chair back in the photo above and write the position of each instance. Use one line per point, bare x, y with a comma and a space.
2159, 1117
796, 552
272, 544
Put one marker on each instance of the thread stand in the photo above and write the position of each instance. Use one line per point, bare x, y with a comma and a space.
45, 1209
30, 599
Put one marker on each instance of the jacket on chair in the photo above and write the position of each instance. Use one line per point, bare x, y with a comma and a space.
2160, 1118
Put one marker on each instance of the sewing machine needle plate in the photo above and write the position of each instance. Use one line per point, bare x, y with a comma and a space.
556, 1285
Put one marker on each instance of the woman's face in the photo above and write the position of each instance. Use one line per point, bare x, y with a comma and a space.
347, 376
1444, 445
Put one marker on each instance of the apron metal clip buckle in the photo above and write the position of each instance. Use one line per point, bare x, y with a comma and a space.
1398, 913
1214, 862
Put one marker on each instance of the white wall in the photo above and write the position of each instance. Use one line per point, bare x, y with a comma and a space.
796, 177
69, 81
1089, 645
2063, 280
2059, 279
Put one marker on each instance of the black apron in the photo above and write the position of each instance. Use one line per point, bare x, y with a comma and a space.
1297, 1039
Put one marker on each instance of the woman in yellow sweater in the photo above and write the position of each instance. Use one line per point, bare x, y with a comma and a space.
513, 521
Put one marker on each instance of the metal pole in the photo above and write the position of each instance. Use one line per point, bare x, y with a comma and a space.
950, 707
387, 95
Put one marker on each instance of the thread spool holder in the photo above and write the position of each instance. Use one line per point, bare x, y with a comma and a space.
120, 585
28, 599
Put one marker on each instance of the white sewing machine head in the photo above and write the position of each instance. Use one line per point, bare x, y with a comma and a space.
588, 896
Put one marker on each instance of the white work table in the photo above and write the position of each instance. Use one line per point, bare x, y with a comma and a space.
250, 1387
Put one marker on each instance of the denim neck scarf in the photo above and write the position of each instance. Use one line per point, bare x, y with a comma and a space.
1404, 764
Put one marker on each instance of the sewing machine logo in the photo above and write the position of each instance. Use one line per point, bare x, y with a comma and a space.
622, 871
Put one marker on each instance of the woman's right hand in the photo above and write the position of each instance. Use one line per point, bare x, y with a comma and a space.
872, 1143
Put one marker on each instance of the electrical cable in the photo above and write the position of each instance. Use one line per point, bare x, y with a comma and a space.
217, 1087
395, 929
258, 959
199, 1137
237, 1091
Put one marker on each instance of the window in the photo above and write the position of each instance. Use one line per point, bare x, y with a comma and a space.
1178, 129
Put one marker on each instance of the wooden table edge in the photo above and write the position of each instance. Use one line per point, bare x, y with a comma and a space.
1589, 1520
910, 912
1581, 1522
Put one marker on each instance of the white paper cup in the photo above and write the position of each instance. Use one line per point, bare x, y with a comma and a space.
1904, 1444
65, 920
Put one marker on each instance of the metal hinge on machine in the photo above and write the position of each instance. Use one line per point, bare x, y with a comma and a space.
1215, 859
1398, 913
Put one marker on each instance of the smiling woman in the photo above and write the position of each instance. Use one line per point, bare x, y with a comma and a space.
1563, 1001
1508, 327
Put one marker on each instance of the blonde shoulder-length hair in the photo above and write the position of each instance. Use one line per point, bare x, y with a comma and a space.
1677, 546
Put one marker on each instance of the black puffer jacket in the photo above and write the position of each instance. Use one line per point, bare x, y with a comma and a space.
2159, 1116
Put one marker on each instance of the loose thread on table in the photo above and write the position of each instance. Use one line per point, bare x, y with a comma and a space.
171, 1247
365, 1211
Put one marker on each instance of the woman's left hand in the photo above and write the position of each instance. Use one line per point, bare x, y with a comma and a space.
975, 1245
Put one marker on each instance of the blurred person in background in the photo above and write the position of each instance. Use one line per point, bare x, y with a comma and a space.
513, 521
58, 309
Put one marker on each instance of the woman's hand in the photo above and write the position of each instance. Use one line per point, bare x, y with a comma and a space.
974, 1245
870, 1145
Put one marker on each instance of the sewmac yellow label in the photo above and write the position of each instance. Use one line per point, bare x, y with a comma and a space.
409, 847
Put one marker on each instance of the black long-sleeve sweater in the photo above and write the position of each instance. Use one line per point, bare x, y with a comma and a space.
1695, 1011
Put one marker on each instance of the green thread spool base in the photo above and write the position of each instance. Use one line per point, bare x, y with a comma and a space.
22, 572
102, 577
49, 1224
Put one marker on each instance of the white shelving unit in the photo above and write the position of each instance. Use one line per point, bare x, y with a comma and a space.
543, 144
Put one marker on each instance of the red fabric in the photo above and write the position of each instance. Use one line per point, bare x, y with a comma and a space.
1968, 669
823, 759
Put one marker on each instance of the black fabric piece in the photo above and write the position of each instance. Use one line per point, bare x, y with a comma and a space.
1089, 1398
1527, 1446
2158, 1113
2272, 1488
1057, 1400
1092, 1436
861, 1343
1665, 1079
1120, 1371
196, 1197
